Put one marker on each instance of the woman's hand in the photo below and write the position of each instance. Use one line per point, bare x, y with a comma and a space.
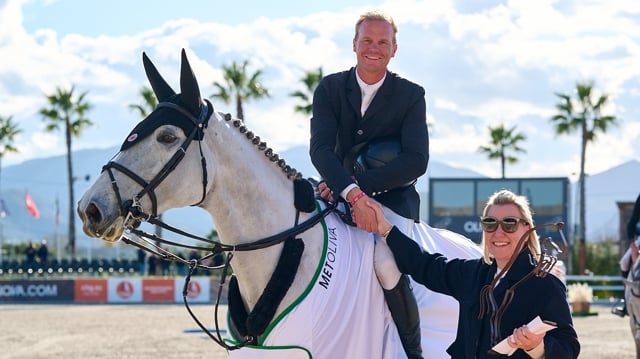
383, 225
525, 339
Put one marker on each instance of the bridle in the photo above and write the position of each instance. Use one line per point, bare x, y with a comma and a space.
134, 215
131, 209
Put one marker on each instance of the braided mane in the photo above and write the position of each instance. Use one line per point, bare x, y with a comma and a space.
289, 171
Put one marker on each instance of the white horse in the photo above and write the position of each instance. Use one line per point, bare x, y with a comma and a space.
321, 297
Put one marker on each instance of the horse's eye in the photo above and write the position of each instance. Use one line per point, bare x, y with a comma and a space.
166, 137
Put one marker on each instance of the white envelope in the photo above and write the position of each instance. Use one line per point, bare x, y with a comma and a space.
537, 326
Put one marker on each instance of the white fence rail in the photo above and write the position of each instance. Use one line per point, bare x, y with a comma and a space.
598, 283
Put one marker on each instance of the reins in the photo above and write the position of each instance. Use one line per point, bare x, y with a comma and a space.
185, 292
217, 248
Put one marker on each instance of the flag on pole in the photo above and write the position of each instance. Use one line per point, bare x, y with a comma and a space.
3, 209
31, 205
57, 219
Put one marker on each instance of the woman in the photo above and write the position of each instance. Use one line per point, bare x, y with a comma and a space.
506, 218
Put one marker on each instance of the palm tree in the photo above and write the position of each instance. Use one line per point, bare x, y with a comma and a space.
239, 86
310, 81
583, 115
148, 104
503, 140
68, 110
8, 131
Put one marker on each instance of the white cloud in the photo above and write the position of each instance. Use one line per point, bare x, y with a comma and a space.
42, 144
481, 65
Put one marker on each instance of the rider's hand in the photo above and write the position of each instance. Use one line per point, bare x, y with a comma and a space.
383, 224
325, 192
363, 216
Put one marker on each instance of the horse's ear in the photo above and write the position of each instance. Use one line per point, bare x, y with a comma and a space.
190, 92
160, 87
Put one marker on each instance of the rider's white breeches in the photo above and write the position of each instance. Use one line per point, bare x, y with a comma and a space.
383, 261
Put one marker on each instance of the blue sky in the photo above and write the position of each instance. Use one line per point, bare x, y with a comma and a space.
482, 63
124, 17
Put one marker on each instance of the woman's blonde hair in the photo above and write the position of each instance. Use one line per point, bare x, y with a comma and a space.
503, 197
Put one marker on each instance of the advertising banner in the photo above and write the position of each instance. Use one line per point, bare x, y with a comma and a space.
106, 290
90, 290
158, 290
124, 290
199, 290
44, 291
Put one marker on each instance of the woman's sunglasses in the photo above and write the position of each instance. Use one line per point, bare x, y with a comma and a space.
508, 224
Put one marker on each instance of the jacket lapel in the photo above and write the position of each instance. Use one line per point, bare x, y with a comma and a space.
520, 268
354, 95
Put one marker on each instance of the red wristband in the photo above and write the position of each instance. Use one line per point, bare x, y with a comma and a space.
357, 198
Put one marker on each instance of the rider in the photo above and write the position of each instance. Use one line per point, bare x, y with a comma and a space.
356, 107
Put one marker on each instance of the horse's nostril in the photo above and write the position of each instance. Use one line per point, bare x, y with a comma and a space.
93, 214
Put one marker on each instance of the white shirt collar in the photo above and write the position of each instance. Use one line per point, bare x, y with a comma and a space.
368, 91
364, 87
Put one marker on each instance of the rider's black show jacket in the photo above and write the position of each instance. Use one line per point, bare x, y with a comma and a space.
398, 111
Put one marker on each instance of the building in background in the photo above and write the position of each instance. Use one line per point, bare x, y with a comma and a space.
456, 204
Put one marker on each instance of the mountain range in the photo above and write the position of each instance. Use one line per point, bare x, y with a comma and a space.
45, 180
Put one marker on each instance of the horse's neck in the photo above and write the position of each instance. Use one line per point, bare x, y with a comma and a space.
251, 199
249, 196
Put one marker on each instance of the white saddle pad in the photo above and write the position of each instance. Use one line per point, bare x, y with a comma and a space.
342, 314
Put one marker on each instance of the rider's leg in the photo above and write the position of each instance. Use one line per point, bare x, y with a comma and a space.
397, 290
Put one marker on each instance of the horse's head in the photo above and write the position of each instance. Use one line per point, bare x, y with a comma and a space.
147, 176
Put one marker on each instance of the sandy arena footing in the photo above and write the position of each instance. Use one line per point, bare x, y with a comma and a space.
166, 331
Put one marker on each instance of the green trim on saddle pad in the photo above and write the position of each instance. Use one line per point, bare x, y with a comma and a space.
295, 303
